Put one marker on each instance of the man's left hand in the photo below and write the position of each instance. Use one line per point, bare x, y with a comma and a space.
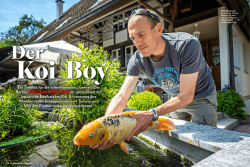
144, 120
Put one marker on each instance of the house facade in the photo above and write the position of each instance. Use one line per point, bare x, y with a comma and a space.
225, 43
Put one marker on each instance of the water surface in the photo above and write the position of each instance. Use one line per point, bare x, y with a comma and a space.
140, 156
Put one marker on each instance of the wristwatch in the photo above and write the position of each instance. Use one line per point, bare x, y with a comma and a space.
155, 114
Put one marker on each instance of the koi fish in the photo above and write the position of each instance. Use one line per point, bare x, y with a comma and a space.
117, 128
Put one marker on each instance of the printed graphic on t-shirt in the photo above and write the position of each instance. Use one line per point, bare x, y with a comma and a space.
167, 83
167, 78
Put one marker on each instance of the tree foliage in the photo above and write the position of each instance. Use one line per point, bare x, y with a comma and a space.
17, 35
8, 43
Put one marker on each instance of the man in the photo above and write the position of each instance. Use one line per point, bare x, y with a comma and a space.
175, 62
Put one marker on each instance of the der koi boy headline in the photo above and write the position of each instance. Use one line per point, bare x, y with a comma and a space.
31, 55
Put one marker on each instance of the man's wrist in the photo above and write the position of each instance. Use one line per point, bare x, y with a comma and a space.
150, 113
155, 114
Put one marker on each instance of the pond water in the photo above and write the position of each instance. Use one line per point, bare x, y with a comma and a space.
140, 156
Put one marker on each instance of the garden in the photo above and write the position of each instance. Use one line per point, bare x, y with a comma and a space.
22, 128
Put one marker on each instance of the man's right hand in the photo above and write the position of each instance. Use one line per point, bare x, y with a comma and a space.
106, 144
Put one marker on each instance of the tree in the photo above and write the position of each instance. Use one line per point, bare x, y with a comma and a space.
17, 35
8, 43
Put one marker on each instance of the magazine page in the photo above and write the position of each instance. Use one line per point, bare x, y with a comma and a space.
124, 83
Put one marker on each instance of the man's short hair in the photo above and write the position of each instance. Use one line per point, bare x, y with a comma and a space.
152, 21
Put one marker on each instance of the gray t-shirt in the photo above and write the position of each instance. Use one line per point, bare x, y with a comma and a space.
183, 55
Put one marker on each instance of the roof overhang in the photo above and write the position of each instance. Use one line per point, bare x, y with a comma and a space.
89, 18
96, 26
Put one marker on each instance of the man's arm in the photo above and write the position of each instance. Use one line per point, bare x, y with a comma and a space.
119, 102
185, 97
191, 62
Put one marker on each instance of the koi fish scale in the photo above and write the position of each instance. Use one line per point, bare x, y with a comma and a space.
119, 127
113, 120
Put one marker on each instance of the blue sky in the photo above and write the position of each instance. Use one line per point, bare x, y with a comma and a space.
12, 10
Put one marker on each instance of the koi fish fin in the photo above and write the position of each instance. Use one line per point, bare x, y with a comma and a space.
162, 124
146, 131
165, 124
124, 146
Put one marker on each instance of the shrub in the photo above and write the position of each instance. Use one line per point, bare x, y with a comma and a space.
144, 101
112, 82
109, 86
231, 103
14, 117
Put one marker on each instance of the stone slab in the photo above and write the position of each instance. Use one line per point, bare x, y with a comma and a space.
207, 137
187, 150
210, 138
45, 155
206, 140
220, 115
48, 151
244, 128
204, 136
236, 155
227, 123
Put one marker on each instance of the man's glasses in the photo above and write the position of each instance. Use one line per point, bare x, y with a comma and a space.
142, 11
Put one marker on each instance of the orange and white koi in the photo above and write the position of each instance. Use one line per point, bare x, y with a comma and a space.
117, 128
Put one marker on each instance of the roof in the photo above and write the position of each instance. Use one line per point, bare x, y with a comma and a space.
72, 14
80, 21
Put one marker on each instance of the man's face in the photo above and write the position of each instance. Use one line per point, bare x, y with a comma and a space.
145, 39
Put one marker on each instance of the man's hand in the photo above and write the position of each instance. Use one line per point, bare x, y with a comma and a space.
106, 144
144, 120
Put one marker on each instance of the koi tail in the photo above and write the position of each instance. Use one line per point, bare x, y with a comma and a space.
162, 124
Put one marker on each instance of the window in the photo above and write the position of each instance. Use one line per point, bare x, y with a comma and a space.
216, 55
116, 55
120, 21
120, 26
129, 51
